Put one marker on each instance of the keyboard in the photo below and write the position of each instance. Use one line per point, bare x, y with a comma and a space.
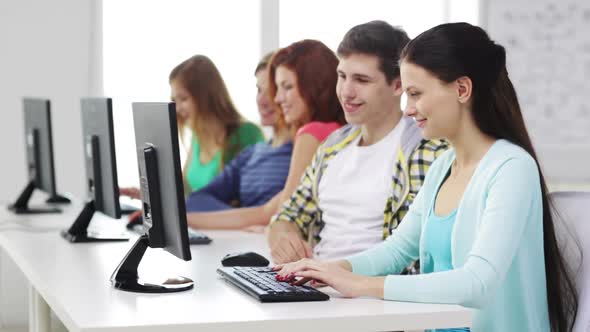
260, 282
195, 237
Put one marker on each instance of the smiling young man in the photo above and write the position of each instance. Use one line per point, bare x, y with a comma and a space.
365, 175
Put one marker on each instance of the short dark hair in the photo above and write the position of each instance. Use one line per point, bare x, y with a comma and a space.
377, 38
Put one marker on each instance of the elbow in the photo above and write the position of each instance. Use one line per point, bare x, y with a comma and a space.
483, 282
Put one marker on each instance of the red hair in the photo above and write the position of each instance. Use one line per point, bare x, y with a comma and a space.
314, 65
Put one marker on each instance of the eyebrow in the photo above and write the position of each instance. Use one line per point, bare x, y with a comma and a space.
283, 83
355, 75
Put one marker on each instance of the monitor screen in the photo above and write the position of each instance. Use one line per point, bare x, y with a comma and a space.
39, 144
99, 155
39, 158
162, 196
102, 188
161, 186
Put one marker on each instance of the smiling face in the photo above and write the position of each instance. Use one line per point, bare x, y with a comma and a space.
293, 106
268, 115
435, 105
363, 90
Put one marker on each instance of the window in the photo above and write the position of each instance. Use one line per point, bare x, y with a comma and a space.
328, 21
144, 40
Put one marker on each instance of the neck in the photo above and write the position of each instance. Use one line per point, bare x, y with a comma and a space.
214, 136
374, 130
470, 145
281, 135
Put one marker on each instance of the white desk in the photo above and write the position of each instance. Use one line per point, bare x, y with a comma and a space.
73, 281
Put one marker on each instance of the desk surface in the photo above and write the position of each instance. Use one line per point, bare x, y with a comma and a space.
74, 280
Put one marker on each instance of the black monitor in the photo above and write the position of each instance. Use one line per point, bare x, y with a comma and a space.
102, 188
162, 195
39, 151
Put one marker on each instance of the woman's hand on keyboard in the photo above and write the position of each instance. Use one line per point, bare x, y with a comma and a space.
334, 274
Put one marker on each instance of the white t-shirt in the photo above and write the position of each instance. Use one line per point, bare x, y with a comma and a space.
352, 194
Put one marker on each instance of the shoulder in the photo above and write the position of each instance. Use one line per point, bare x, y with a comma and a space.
508, 158
248, 127
319, 130
247, 133
253, 149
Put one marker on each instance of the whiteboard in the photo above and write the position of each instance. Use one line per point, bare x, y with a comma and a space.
548, 60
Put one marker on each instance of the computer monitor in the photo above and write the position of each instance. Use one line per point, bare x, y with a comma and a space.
162, 195
39, 154
102, 187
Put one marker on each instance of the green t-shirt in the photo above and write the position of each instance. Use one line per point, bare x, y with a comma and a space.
199, 175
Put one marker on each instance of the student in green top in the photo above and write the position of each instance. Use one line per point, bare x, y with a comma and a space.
204, 106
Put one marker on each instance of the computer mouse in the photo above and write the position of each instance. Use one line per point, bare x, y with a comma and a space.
244, 259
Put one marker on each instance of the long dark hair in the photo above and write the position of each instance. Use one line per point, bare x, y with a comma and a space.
453, 50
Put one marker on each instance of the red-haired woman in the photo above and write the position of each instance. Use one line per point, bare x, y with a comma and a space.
302, 82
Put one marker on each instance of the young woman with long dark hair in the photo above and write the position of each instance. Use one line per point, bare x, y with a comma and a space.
481, 224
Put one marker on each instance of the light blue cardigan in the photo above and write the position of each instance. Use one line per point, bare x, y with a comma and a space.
496, 246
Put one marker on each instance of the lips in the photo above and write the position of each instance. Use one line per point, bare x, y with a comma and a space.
266, 114
351, 107
285, 109
421, 122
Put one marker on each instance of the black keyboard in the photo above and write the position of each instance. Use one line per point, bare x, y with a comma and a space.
260, 282
195, 237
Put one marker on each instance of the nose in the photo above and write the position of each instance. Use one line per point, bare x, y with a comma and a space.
347, 90
279, 97
263, 100
410, 110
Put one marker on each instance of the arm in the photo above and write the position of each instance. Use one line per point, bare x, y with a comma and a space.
303, 152
402, 247
224, 188
292, 225
300, 209
398, 250
232, 218
361, 274
513, 196
185, 167
304, 149
246, 135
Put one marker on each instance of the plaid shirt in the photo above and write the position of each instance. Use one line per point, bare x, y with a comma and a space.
303, 209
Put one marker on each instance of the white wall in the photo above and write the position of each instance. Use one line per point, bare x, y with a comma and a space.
46, 52
548, 58
48, 49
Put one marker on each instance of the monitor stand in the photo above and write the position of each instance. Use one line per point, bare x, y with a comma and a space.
78, 232
126, 278
21, 206
58, 199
